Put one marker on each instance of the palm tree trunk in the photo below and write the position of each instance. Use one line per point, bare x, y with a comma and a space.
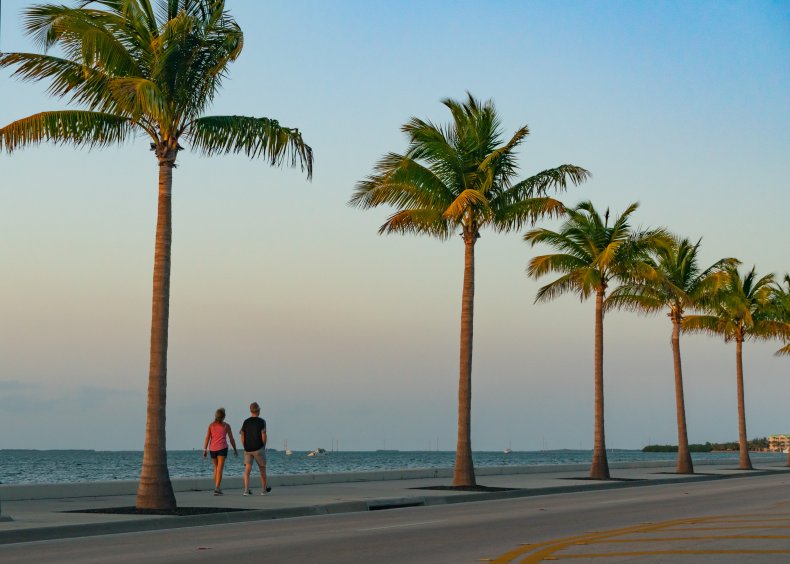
746, 462
155, 490
600, 465
684, 465
464, 473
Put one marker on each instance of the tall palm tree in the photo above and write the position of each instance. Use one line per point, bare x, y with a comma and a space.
133, 68
673, 281
740, 309
592, 255
461, 176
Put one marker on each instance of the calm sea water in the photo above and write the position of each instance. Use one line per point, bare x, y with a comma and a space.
51, 466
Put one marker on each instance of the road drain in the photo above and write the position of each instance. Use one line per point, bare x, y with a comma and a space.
395, 505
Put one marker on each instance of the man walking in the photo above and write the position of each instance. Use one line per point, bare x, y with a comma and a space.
253, 437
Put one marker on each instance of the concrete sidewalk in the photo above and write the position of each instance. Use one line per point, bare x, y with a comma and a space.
41, 512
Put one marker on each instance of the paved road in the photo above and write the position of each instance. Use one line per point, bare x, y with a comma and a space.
720, 521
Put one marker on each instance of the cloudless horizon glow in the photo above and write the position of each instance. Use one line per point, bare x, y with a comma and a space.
283, 294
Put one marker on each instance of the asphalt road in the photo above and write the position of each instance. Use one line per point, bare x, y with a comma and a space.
718, 521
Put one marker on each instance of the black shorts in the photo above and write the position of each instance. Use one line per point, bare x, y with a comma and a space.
216, 453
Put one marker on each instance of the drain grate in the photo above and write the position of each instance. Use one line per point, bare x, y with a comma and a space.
395, 505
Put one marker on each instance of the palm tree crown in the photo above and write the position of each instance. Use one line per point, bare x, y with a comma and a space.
593, 253
462, 176
137, 69
673, 280
740, 309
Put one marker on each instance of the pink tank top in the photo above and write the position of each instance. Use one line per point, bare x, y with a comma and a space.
218, 440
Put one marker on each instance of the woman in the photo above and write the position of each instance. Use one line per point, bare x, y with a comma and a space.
217, 435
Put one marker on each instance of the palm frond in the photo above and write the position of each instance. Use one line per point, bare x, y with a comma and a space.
255, 137
402, 182
466, 200
79, 128
558, 178
546, 264
417, 221
514, 216
566, 284
139, 97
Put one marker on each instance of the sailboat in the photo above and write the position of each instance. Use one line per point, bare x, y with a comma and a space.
288, 451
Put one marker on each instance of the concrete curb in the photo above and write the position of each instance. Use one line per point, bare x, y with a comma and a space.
172, 522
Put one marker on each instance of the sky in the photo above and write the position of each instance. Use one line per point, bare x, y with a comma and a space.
283, 294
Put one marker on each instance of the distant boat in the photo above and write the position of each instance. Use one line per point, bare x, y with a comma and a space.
507, 450
316, 452
288, 451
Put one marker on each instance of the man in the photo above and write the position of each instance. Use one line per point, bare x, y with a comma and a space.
253, 437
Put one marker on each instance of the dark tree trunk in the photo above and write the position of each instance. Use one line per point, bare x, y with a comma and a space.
155, 490
600, 465
684, 465
745, 462
464, 473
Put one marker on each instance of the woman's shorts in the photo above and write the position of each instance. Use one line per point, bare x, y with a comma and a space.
216, 453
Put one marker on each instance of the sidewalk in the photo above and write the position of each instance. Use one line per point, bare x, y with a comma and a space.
39, 518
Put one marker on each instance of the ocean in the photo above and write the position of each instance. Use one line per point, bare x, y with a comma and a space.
62, 466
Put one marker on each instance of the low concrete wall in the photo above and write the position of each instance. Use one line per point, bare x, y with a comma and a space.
15, 492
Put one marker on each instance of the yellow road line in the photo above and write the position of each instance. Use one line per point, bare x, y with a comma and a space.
666, 553
671, 539
732, 528
549, 550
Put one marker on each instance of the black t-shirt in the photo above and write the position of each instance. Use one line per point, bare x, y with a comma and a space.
252, 428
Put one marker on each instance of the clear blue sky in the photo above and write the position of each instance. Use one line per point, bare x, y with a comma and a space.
283, 294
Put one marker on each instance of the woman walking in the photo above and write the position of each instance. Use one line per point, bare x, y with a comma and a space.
217, 437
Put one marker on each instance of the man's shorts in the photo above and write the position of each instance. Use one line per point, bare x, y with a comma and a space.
258, 455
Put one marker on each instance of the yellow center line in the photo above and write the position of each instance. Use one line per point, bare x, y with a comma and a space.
692, 529
699, 538
549, 550
666, 553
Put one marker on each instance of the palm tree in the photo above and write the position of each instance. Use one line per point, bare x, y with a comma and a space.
135, 69
461, 176
782, 304
781, 301
592, 255
740, 309
673, 281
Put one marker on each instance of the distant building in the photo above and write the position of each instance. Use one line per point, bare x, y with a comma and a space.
779, 443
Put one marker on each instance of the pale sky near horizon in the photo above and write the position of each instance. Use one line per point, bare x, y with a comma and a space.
283, 294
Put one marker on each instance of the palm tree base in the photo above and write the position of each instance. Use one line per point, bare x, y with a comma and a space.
600, 469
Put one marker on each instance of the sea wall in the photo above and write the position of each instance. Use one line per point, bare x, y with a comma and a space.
13, 492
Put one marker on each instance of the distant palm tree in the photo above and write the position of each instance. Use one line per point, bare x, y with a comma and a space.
139, 70
781, 300
740, 309
461, 176
673, 281
593, 254
782, 304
